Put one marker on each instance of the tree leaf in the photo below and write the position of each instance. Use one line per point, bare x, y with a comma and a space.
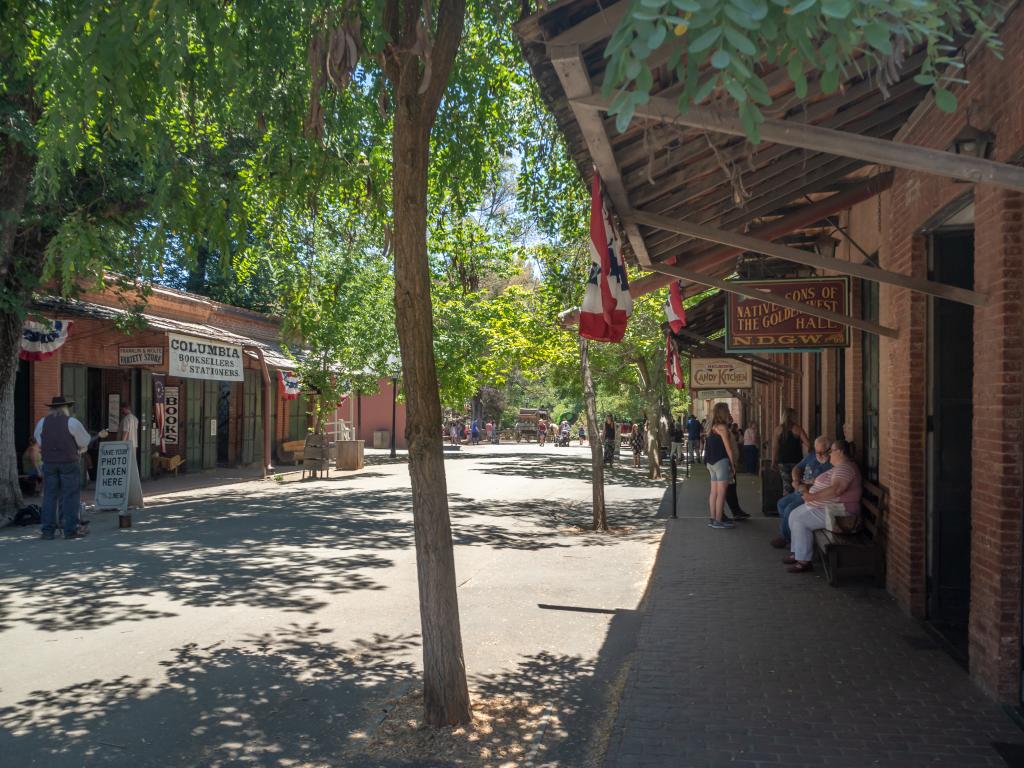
720, 59
830, 81
836, 9
945, 100
657, 36
705, 40
878, 36
739, 41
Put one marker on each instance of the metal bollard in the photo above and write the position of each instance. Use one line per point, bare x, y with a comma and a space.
674, 485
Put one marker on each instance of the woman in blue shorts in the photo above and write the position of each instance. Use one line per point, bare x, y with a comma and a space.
721, 464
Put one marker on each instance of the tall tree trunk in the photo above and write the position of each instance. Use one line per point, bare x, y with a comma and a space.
10, 342
445, 692
596, 431
17, 279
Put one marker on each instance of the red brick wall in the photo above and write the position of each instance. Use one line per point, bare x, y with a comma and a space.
998, 400
995, 99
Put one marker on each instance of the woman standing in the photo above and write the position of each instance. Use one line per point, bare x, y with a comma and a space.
609, 439
636, 442
721, 464
789, 447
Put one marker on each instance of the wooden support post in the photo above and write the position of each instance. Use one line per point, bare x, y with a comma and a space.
572, 72
808, 258
828, 140
752, 293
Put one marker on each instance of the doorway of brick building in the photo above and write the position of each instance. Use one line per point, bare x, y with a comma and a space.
950, 413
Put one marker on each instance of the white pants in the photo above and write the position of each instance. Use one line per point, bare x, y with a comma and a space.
677, 451
803, 522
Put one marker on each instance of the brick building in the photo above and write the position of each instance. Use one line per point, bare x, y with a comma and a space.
933, 396
208, 421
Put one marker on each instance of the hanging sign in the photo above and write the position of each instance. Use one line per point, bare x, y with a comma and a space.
753, 325
290, 385
715, 394
114, 412
171, 415
117, 477
140, 355
719, 372
193, 358
42, 340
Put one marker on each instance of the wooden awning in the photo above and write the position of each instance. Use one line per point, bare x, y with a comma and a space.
685, 186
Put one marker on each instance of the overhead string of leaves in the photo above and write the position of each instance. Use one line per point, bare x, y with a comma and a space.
723, 48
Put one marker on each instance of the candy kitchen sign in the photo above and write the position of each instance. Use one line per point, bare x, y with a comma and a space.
753, 325
719, 373
194, 358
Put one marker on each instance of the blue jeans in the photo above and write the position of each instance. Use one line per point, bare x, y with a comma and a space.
786, 505
62, 481
750, 459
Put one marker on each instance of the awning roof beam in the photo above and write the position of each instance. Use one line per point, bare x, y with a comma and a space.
807, 258
752, 293
828, 140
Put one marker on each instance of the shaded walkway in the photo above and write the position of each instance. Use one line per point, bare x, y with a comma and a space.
740, 663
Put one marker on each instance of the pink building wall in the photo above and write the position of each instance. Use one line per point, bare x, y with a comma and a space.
376, 414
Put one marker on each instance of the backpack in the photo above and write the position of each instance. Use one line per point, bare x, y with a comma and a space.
30, 515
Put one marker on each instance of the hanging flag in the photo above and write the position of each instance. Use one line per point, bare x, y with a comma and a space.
41, 340
674, 310
290, 385
159, 409
607, 304
673, 365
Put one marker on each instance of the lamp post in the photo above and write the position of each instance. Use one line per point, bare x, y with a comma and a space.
394, 409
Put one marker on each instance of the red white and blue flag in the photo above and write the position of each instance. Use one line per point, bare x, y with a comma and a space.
673, 365
291, 387
42, 340
607, 304
674, 310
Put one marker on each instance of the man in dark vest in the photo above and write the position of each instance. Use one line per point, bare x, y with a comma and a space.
62, 439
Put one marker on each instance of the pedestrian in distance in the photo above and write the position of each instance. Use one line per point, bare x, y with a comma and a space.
609, 440
721, 464
732, 498
583, 433
653, 455
636, 442
751, 440
475, 432
62, 439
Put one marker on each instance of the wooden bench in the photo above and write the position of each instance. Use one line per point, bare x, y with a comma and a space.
291, 451
861, 553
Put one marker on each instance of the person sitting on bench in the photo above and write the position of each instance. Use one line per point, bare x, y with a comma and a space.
842, 484
804, 474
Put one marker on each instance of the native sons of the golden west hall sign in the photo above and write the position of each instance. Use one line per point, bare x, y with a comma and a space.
753, 325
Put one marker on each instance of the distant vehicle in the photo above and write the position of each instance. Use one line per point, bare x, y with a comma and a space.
526, 424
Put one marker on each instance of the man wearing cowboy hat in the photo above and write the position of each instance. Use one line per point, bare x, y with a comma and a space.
62, 439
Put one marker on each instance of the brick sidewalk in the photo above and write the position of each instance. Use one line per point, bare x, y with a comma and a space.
740, 663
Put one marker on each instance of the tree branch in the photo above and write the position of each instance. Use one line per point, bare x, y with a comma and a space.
451, 19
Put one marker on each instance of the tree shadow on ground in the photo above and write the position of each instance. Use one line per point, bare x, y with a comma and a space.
288, 697
269, 548
547, 466
294, 697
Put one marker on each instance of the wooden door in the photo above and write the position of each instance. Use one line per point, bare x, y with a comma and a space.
211, 404
194, 424
145, 414
250, 400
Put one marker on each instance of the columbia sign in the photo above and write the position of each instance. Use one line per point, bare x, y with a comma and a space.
719, 373
193, 358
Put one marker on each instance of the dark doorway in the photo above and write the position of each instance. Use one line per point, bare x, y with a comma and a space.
224, 423
950, 412
23, 425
